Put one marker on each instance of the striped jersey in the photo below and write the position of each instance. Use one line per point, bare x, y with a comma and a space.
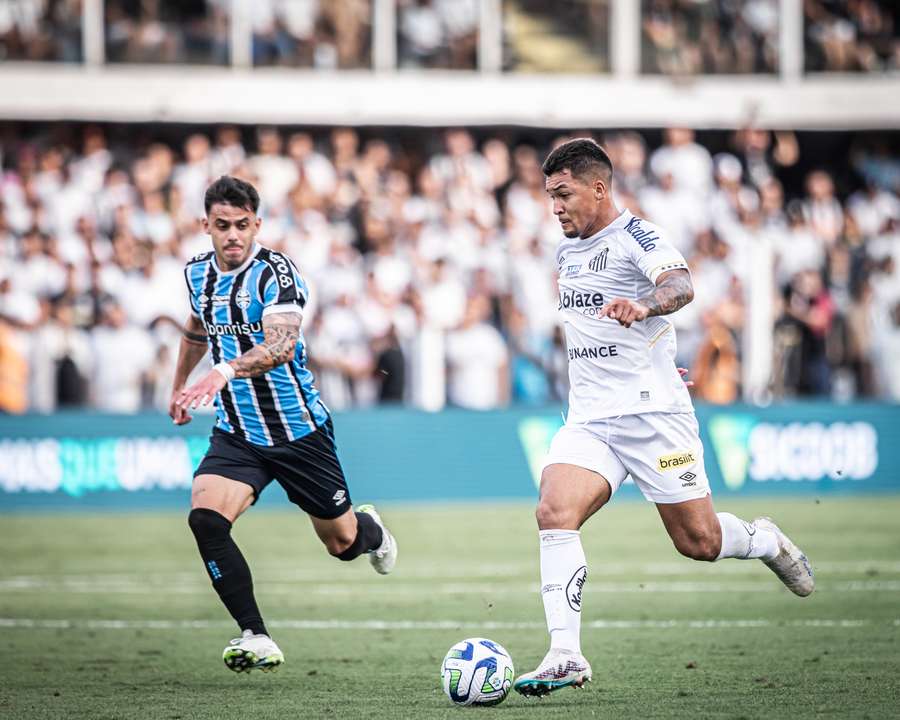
283, 404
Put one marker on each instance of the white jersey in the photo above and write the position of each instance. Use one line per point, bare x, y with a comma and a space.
615, 370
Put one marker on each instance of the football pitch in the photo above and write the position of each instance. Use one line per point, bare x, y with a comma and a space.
112, 616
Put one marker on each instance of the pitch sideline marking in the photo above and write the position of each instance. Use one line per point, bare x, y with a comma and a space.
279, 574
96, 624
402, 588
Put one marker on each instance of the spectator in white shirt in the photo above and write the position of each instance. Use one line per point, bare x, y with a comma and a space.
123, 354
276, 174
873, 209
477, 361
822, 210
689, 163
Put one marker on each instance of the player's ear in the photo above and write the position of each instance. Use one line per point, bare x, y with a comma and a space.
205, 222
599, 189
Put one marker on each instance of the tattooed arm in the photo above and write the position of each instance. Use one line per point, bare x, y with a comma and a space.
281, 331
673, 291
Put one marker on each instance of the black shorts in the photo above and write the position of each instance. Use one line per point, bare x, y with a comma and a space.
308, 469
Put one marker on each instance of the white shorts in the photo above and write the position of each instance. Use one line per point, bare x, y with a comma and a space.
661, 452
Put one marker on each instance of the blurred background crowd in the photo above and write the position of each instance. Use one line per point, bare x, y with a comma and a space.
430, 256
678, 37
430, 252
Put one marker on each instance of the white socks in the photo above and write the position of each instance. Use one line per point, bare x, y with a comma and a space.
743, 541
563, 574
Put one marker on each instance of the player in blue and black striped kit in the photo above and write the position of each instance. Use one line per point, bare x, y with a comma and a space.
247, 303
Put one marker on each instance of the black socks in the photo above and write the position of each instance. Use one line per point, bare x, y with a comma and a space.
368, 537
230, 574
227, 568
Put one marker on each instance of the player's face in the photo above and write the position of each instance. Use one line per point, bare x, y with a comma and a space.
232, 230
575, 202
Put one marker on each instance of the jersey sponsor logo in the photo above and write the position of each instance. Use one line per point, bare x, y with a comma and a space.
688, 479
676, 460
598, 262
572, 270
587, 303
285, 278
242, 299
645, 238
600, 351
221, 300
280, 263
202, 301
339, 497
574, 588
246, 328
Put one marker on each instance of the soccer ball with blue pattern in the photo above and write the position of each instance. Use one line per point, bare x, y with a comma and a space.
477, 671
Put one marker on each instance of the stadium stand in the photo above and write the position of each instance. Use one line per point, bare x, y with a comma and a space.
418, 242
415, 251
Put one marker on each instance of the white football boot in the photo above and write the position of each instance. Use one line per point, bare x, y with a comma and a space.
384, 557
558, 669
790, 565
253, 652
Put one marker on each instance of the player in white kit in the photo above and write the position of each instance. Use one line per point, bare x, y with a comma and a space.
629, 410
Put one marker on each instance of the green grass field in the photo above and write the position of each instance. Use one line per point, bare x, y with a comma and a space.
112, 616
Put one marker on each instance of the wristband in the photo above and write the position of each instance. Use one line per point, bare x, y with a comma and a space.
225, 370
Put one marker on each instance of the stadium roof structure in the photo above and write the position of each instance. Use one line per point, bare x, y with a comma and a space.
97, 90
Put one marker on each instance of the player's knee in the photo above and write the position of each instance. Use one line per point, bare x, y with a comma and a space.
699, 546
207, 524
551, 516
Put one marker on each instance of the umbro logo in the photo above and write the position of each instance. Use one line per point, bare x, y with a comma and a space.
688, 479
339, 497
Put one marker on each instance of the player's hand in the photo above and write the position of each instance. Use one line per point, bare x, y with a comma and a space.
201, 392
683, 372
179, 415
624, 311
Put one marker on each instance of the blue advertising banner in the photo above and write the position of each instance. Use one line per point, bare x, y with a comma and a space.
797, 448
94, 461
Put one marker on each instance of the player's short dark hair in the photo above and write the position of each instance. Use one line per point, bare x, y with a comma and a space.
580, 156
229, 190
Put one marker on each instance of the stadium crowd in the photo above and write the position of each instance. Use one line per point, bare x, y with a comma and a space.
432, 269
685, 37
679, 37
856, 36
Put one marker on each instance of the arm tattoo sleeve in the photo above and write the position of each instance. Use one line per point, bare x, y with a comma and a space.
673, 292
281, 333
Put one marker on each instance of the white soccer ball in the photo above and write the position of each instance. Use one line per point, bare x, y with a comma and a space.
477, 671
